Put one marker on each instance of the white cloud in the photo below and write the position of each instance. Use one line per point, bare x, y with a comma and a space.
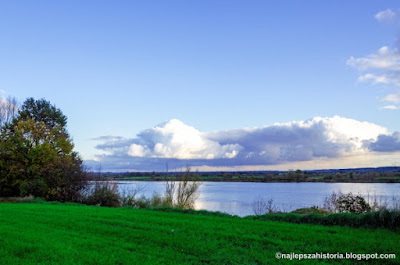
387, 16
174, 139
375, 79
385, 63
395, 97
175, 142
107, 138
137, 150
383, 66
303, 140
390, 107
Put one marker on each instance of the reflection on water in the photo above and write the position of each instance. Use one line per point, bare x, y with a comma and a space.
236, 197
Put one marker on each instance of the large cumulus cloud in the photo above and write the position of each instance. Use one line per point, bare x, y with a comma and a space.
174, 139
178, 144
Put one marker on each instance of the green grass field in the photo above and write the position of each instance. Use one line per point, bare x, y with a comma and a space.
54, 233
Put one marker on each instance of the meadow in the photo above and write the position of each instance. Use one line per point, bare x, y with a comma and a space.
56, 233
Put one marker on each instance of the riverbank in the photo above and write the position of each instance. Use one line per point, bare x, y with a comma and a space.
51, 233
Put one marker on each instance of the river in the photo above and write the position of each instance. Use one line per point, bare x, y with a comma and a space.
236, 197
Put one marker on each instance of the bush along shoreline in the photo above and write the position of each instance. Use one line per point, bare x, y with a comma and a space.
389, 219
338, 209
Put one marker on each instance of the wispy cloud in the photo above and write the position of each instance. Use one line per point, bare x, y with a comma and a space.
176, 143
107, 138
389, 107
395, 97
383, 66
387, 16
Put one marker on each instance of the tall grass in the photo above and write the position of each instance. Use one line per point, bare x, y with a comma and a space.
383, 218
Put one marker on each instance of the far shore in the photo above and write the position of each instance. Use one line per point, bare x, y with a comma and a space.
333, 176
257, 181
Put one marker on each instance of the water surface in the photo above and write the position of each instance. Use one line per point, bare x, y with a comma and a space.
236, 197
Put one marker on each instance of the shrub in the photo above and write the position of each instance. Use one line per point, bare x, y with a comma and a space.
128, 201
312, 210
262, 206
186, 192
36, 186
128, 198
349, 203
104, 193
157, 200
142, 202
182, 193
330, 202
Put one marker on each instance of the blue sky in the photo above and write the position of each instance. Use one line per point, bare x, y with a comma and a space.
124, 68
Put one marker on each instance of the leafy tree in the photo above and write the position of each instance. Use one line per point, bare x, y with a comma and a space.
37, 157
42, 110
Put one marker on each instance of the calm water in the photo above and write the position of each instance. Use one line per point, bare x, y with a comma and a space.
236, 197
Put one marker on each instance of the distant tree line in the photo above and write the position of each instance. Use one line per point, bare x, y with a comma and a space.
383, 175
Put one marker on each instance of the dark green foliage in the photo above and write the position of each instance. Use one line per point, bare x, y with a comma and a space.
35, 186
42, 111
381, 219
